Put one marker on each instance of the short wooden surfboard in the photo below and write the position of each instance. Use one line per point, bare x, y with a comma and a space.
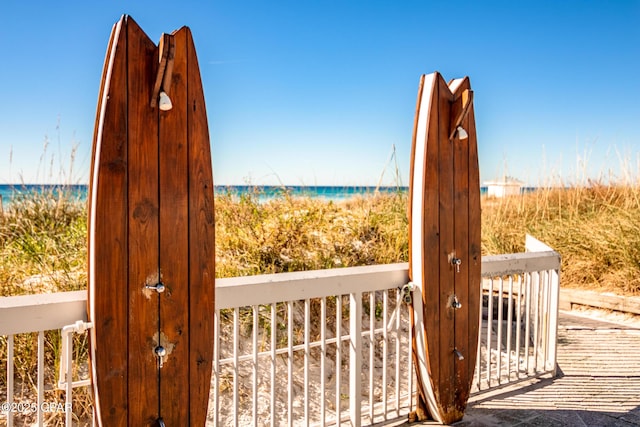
151, 235
444, 246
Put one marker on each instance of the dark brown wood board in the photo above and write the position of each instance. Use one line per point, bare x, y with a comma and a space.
151, 235
444, 245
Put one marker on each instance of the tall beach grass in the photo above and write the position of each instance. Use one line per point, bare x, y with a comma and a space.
595, 228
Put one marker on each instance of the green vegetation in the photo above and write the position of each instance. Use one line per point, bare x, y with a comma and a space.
43, 244
596, 229
292, 234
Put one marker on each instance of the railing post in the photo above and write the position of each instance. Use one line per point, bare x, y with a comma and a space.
355, 357
534, 245
554, 305
10, 375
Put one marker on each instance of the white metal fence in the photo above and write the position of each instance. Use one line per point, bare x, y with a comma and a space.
325, 347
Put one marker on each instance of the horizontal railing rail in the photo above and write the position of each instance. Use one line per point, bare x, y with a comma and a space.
317, 347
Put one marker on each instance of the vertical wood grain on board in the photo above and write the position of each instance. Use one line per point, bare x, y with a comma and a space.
475, 254
201, 243
109, 223
431, 233
143, 228
174, 235
446, 218
461, 215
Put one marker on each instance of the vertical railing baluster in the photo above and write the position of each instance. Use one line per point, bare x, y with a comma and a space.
509, 328
290, 363
372, 318
536, 320
489, 328
355, 357
527, 325
479, 349
216, 367
338, 359
254, 402
545, 317
519, 325
385, 351
40, 420
398, 354
10, 387
274, 335
69, 362
499, 337
323, 356
236, 382
554, 313
307, 327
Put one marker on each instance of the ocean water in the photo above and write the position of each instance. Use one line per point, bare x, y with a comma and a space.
9, 192
335, 193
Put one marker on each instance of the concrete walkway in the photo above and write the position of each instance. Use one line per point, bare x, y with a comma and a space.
598, 382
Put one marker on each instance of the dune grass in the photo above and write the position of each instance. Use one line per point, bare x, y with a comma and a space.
595, 228
300, 233
43, 244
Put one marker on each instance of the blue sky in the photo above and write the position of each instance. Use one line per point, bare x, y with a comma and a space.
316, 92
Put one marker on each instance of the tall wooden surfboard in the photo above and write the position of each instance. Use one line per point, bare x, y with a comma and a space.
151, 235
444, 246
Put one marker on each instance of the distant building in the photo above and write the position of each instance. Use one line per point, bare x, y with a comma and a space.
506, 186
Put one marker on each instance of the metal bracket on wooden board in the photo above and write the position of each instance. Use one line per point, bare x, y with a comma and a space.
67, 353
158, 287
454, 302
406, 291
167, 50
454, 261
457, 353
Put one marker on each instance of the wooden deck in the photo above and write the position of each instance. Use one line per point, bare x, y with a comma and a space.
598, 381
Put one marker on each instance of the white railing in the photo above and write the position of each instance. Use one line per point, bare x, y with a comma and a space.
285, 352
518, 330
313, 368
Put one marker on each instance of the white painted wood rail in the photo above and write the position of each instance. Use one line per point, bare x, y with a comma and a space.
340, 349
